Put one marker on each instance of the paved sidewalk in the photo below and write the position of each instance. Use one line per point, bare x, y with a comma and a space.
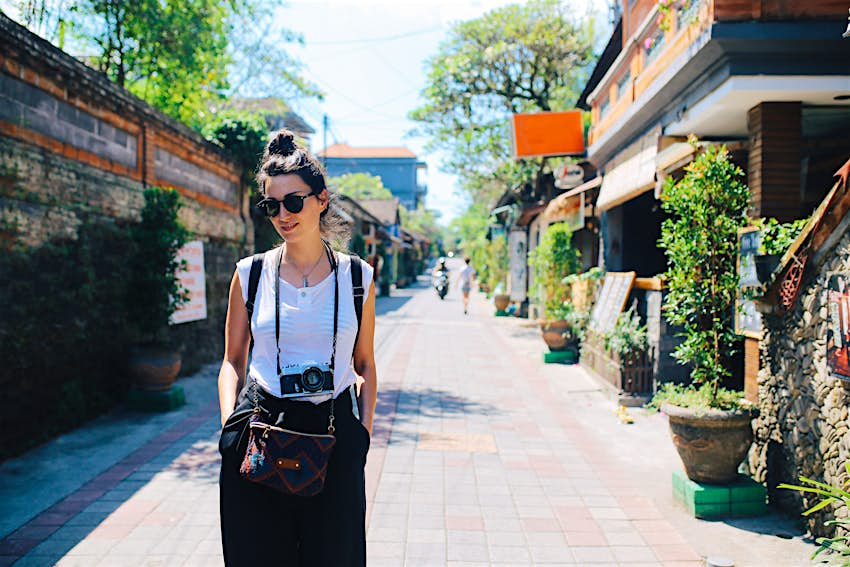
481, 455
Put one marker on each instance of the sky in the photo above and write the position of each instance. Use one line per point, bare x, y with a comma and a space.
368, 57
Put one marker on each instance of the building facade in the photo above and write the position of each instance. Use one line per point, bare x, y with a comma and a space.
398, 167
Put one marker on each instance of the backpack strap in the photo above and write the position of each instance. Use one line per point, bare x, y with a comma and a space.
253, 283
357, 285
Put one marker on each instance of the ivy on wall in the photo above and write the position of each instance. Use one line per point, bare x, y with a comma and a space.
64, 332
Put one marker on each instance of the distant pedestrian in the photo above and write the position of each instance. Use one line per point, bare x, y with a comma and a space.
465, 278
308, 354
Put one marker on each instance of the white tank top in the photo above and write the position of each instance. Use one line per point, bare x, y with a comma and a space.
306, 324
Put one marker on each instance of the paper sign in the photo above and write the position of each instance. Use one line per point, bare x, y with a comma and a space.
193, 278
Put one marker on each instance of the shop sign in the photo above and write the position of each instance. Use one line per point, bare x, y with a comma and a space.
747, 317
518, 249
838, 325
547, 134
194, 279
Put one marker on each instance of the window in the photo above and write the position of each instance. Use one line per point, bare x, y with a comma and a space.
652, 46
623, 85
604, 106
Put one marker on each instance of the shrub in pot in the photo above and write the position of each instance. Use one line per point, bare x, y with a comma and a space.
711, 427
155, 292
774, 239
553, 260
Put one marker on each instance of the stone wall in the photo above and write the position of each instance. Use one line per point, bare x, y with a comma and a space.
75, 148
802, 429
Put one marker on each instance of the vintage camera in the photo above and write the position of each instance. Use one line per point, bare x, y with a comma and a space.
308, 379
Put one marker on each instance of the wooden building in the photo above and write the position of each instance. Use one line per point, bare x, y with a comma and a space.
771, 80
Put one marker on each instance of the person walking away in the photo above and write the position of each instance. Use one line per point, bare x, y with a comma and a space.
296, 366
465, 278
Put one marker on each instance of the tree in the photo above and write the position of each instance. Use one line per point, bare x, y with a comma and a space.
513, 59
360, 186
422, 220
185, 57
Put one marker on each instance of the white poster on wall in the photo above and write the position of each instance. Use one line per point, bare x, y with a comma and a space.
518, 249
193, 278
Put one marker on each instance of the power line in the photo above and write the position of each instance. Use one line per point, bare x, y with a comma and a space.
375, 39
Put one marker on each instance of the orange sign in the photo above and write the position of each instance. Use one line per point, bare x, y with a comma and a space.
548, 134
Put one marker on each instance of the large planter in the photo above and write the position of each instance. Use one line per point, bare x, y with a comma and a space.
501, 301
557, 335
712, 443
153, 367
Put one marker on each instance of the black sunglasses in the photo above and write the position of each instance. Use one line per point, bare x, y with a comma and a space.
292, 203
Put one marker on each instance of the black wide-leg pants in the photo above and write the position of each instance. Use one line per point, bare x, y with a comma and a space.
261, 526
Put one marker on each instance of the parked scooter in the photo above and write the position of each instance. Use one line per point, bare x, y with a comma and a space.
440, 278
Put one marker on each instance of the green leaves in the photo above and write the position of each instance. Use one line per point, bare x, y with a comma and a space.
155, 292
552, 260
829, 495
707, 207
513, 59
360, 186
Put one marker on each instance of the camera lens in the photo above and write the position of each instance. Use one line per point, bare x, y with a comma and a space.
312, 379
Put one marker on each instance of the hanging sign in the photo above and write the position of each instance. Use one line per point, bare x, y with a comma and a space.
547, 134
193, 278
517, 248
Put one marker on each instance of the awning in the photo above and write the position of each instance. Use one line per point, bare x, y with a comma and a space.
631, 178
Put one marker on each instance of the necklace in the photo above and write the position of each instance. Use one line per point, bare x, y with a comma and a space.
306, 275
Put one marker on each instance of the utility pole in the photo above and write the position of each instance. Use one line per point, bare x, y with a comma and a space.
325, 141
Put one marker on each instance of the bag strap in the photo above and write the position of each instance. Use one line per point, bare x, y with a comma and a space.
253, 283
357, 285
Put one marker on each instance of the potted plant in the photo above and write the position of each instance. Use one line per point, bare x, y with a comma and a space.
627, 346
564, 328
710, 426
154, 288
774, 239
497, 271
553, 260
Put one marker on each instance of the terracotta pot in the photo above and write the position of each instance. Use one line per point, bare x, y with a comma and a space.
501, 301
713, 443
153, 367
557, 335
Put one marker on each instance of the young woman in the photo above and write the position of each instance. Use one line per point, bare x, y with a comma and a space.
303, 280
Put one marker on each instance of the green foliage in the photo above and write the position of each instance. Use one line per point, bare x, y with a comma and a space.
700, 399
707, 208
244, 136
423, 221
575, 318
835, 547
357, 244
155, 292
497, 261
553, 260
594, 274
777, 237
184, 57
518, 58
64, 331
628, 337
360, 186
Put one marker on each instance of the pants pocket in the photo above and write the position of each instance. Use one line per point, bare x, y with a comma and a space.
234, 434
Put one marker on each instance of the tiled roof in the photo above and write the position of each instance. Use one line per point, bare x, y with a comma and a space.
346, 151
386, 210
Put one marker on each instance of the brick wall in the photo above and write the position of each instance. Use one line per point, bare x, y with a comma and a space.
74, 147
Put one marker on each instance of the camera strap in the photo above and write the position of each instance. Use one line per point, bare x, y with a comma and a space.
334, 267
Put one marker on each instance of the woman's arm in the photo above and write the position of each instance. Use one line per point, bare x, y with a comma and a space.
237, 339
364, 362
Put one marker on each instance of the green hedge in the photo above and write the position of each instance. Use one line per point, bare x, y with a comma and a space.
63, 333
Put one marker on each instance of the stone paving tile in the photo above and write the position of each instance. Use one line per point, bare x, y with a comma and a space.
539, 485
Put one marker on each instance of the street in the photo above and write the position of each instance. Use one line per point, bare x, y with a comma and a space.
481, 455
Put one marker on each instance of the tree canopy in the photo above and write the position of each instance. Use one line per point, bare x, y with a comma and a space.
185, 57
360, 186
513, 59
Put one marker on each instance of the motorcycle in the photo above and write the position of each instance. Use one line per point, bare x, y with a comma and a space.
441, 283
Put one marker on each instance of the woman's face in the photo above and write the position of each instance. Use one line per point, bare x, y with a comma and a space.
293, 227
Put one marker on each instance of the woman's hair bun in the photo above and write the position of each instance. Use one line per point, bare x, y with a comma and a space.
282, 143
